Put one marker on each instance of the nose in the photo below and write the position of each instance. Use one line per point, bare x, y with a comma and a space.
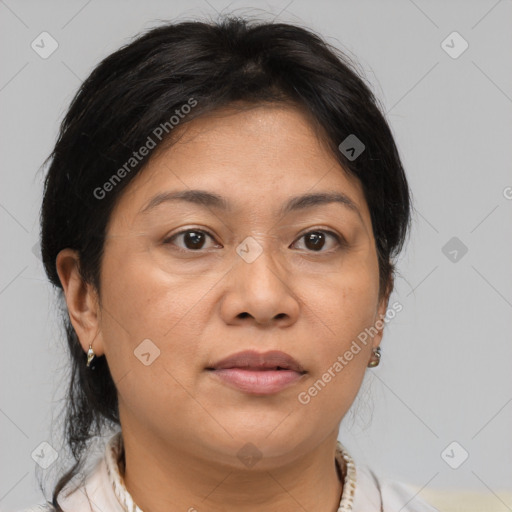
259, 292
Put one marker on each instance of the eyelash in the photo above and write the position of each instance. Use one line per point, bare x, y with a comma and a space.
341, 241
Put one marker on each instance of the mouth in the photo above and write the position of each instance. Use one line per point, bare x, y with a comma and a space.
258, 373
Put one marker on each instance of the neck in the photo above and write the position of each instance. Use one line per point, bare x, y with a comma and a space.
164, 477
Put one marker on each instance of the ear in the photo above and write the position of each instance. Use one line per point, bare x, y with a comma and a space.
381, 313
82, 301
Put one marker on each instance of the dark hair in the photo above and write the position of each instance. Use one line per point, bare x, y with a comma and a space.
137, 89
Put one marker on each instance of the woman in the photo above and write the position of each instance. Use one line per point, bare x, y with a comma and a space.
222, 212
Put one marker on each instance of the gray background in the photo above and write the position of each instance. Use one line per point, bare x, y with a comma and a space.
446, 369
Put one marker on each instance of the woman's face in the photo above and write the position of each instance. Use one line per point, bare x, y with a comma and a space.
187, 283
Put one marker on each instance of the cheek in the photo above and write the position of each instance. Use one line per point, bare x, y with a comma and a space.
345, 302
343, 307
150, 330
146, 310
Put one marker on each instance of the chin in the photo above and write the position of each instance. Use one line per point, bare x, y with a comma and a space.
270, 443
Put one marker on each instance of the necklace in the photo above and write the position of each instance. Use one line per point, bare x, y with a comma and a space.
114, 459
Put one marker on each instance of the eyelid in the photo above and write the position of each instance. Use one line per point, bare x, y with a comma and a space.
186, 230
320, 228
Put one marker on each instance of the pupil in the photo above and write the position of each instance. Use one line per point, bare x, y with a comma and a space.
317, 240
193, 239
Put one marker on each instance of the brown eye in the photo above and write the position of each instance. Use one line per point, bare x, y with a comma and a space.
192, 239
316, 240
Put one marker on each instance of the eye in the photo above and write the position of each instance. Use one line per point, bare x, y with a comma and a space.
317, 239
193, 239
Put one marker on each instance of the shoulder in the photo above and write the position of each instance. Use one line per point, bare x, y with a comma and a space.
95, 494
383, 494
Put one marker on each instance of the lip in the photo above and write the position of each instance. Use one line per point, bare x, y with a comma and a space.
258, 373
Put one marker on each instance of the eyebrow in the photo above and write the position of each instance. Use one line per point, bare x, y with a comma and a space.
212, 200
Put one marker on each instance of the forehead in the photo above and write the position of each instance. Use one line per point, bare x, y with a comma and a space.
255, 157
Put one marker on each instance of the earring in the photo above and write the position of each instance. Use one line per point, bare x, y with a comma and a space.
90, 355
375, 360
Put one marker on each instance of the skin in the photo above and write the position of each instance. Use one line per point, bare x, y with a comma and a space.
182, 428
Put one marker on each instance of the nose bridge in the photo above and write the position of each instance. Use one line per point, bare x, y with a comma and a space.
259, 260
260, 285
